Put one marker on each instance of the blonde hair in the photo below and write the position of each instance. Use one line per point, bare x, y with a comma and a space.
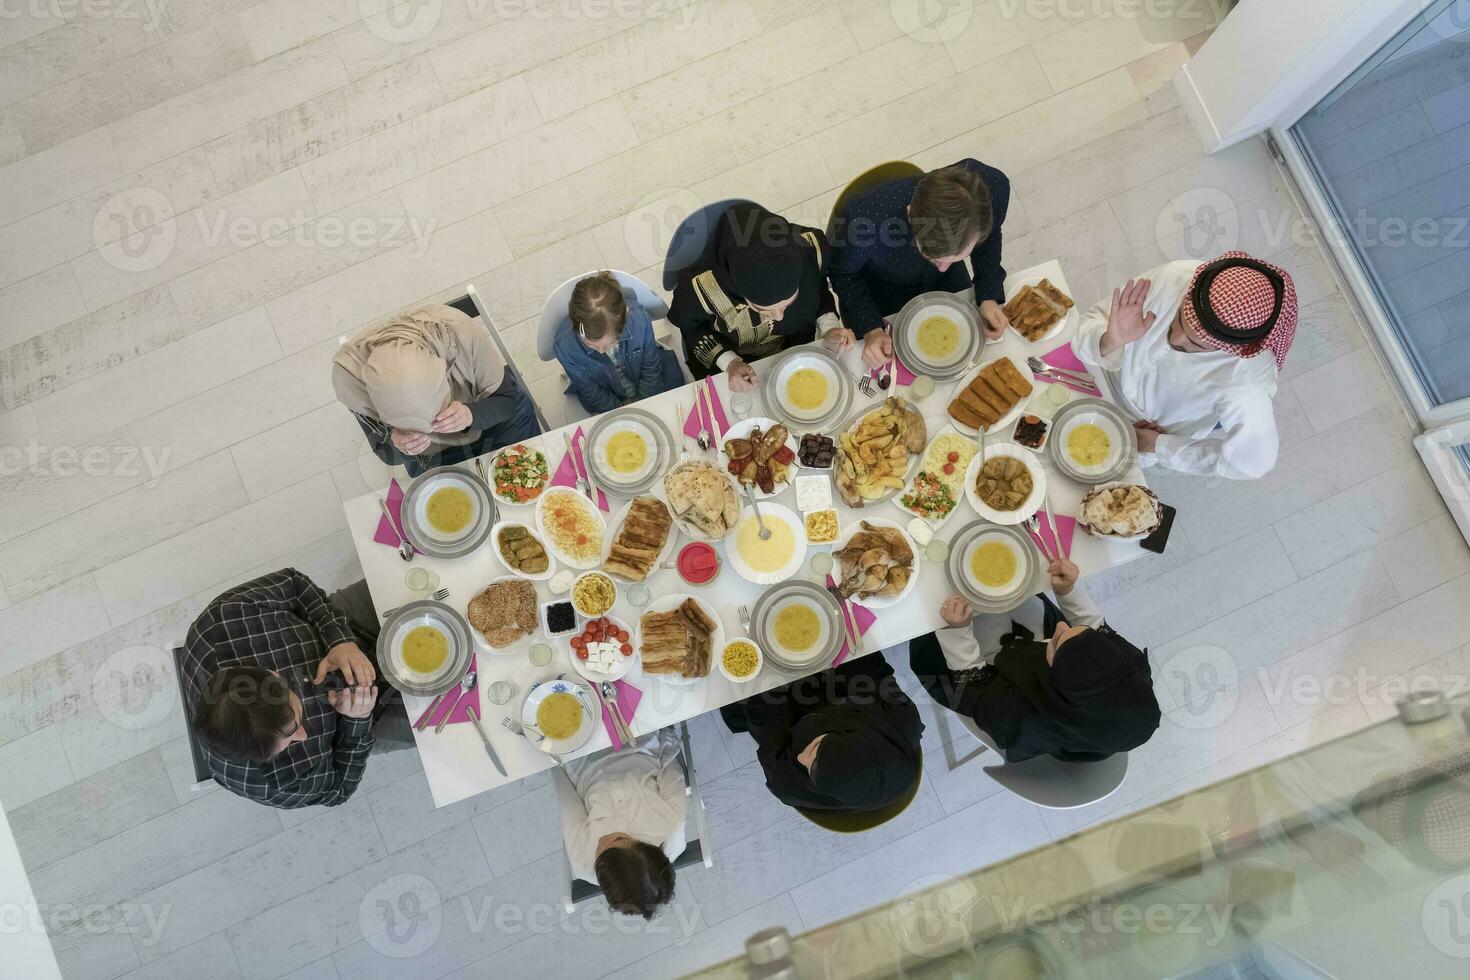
598, 306
949, 207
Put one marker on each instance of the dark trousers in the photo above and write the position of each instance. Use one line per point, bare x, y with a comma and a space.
391, 730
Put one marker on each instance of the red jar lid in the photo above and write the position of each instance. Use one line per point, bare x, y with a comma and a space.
698, 563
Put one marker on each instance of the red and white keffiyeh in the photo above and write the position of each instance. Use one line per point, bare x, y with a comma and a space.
1242, 299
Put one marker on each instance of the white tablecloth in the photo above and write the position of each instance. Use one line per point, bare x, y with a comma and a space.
455, 761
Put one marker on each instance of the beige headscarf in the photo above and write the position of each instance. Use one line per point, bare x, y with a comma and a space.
404, 372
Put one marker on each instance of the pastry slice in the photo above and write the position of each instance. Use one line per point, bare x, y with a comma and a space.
1013, 379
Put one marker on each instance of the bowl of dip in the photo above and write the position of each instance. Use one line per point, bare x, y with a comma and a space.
698, 563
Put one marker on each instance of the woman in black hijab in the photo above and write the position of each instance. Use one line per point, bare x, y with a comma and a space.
845, 739
760, 287
1080, 696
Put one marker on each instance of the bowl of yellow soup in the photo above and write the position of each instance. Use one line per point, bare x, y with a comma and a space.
994, 565
560, 715
806, 387
447, 512
773, 559
424, 648
938, 334
797, 625
1092, 441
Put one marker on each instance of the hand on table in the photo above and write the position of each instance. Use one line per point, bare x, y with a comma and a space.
410, 443
454, 418
839, 339
877, 348
353, 702
1063, 574
1126, 319
956, 612
994, 319
742, 376
356, 668
1148, 435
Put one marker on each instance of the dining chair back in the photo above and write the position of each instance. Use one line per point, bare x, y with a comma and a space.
1058, 785
698, 849
865, 181
471, 305
554, 313
202, 777
691, 239
855, 822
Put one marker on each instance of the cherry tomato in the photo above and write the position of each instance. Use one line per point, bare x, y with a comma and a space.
622, 636
581, 654
954, 457
949, 467
626, 649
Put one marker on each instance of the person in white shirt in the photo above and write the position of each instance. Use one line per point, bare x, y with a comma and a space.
1079, 696
1181, 345
622, 816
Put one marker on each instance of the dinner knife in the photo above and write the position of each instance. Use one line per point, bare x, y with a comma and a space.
489, 749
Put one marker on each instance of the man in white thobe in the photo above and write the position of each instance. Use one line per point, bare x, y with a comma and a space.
622, 816
1181, 347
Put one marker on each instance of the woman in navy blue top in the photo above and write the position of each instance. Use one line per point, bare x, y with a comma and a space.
912, 235
607, 349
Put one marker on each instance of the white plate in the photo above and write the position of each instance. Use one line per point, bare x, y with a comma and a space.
771, 513
421, 509
997, 592
1019, 363
824, 637
940, 427
876, 602
1038, 484
694, 533
536, 533
1116, 444
963, 348
547, 538
1056, 328
910, 468
616, 525
591, 714
776, 387
669, 603
650, 444
624, 664
490, 476
742, 429
482, 645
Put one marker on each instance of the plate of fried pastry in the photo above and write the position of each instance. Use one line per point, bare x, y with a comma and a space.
704, 499
505, 613
645, 537
994, 397
678, 636
877, 452
1038, 310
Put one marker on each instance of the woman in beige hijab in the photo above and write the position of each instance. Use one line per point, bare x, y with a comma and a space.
429, 388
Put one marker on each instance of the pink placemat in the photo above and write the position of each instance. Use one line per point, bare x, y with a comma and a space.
692, 424
1066, 527
901, 374
1066, 359
387, 533
566, 472
860, 615
459, 709
628, 698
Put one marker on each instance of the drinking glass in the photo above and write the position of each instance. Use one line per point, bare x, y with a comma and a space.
500, 692
937, 549
421, 580
539, 654
639, 595
740, 404
922, 387
821, 563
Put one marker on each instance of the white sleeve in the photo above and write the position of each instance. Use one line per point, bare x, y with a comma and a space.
825, 322
723, 361
1243, 448
671, 791
961, 649
1087, 345
576, 827
1078, 609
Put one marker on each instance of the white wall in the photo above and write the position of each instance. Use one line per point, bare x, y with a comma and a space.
1271, 60
25, 951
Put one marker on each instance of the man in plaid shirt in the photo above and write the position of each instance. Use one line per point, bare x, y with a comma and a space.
267, 735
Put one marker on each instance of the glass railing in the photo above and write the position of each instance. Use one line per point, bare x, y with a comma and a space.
1350, 859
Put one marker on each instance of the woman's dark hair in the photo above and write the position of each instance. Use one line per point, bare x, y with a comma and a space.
243, 713
636, 880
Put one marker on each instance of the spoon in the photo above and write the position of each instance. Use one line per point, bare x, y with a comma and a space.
765, 531
465, 686
405, 550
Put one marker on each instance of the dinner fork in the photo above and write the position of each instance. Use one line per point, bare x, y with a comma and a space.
865, 384
519, 729
855, 644
744, 613
441, 595
1038, 366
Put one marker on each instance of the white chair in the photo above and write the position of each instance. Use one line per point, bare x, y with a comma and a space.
698, 848
1052, 783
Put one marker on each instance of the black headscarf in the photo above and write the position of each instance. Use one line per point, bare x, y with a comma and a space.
1096, 699
757, 255
863, 762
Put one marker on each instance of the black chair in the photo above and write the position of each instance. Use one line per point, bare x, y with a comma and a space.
691, 240
202, 776
697, 850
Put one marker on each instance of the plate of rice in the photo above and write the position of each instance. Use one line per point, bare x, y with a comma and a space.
571, 527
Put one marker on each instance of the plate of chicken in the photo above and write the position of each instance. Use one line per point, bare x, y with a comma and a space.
877, 563
760, 454
878, 452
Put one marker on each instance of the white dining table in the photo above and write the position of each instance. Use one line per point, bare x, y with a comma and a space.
454, 759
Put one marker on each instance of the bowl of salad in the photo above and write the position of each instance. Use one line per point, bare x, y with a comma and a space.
928, 497
518, 475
